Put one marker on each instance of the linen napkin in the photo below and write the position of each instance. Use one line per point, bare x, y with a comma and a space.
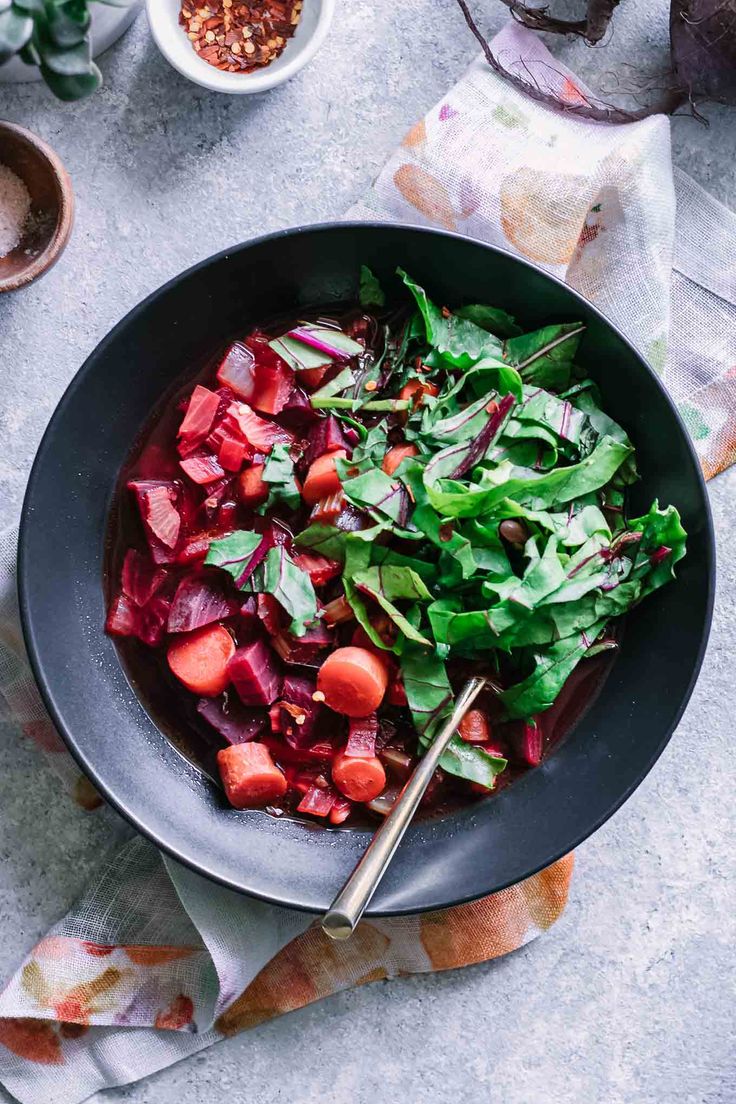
153, 947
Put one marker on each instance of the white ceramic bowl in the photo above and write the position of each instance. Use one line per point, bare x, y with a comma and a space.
163, 16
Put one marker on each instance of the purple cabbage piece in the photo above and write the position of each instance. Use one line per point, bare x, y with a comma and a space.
255, 674
298, 691
326, 435
200, 600
231, 719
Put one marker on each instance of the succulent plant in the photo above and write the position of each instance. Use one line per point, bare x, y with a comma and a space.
55, 36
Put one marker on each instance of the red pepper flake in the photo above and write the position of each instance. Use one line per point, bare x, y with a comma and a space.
446, 531
446, 312
237, 37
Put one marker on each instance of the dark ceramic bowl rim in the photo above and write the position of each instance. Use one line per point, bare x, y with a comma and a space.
24, 569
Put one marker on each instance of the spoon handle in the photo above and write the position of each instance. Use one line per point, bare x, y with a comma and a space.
348, 907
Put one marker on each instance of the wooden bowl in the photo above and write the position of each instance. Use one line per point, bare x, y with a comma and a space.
49, 224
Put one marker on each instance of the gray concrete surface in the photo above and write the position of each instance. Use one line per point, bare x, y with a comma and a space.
630, 999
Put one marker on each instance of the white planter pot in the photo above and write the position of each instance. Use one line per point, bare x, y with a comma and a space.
108, 24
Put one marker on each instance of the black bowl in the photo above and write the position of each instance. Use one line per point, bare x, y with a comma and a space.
443, 861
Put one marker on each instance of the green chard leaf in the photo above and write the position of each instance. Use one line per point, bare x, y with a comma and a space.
493, 319
278, 472
371, 293
374, 491
234, 552
545, 356
460, 342
430, 700
551, 669
290, 586
386, 584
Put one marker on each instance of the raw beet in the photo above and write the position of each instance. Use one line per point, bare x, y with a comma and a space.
200, 600
232, 453
195, 547
231, 719
326, 435
254, 673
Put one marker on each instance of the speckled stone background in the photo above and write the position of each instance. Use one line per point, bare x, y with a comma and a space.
630, 998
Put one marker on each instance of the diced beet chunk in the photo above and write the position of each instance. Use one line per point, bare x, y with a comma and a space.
232, 454
270, 613
319, 568
202, 468
152, 621
236, 370
304, 649
254, 673
273, 378
260, 434
201, 599
235, 722
122, 616
141, 578
298, 410
318, 800
157, 501
326, 435
362, 737
200, 415
299, 711
147, 623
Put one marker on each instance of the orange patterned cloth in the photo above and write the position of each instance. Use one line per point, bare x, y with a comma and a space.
151, 945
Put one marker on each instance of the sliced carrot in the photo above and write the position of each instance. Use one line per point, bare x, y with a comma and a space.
252, 488
322, 478
416, 389
353, 681
199, 659
358, 779
250, 776
396, 456
474, 727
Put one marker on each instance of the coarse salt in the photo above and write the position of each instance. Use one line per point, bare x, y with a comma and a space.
15, 206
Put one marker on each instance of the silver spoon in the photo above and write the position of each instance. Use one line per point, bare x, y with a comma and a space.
346, 910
